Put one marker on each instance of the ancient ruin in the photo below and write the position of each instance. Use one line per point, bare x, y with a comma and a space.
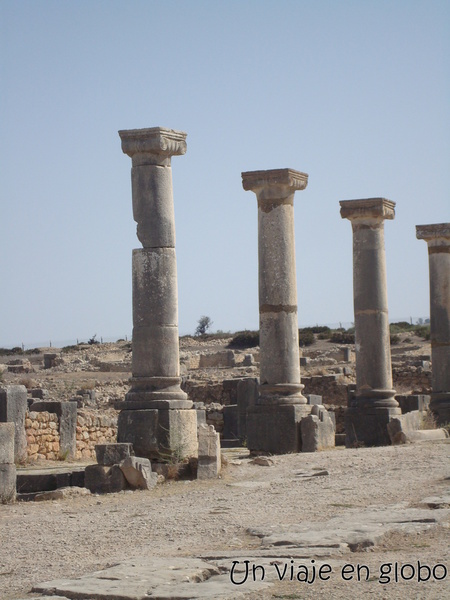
273, 423
373, 404
438, 240
156, 416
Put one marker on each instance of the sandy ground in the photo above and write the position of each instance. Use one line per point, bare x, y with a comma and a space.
72, 537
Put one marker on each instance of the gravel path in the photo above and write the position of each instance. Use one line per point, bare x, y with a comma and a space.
48, 540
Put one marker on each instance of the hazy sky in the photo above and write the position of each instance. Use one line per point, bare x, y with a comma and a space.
356, 93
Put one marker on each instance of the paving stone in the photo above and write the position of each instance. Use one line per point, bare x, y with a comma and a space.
170, 578
356, 529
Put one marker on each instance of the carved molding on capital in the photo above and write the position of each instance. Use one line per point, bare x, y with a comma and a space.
372, 209
158, 141
436, 233
274, 183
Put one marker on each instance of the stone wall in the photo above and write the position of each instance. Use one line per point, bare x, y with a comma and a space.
332, 388
42, 433
94, 429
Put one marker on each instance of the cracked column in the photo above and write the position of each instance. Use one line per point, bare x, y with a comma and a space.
273, 423
374, 404
438, 240
156, 417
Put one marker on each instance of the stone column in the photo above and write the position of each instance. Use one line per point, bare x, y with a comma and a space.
373, 404
157, 417
273, 423
438, 240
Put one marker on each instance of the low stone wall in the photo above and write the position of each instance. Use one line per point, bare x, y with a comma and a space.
412, 379
94, 429
42, 435
332, 388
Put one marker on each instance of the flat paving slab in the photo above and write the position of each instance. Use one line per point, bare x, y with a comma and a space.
169, 578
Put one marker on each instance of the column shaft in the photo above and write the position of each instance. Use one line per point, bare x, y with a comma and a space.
373, 403
438, 240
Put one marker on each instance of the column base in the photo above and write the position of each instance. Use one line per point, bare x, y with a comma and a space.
155, 392
166, 435
281, 394
275, 428
440, 407
367, 426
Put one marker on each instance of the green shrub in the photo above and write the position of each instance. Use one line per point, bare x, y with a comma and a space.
394, 339
245, 339
305, 337
317, 329
342, 337
422, 331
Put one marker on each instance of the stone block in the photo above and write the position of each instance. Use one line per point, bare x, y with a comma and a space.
230, 422
201, 416
159, 433
112, 454
224, 359
304, 361
368, 426
248, 361
40, 393
246, 395
275, 428
100, 479
68, 430
13, 406
314, 399
412, 402
209, 453
138, 473
318, 431
7, 431
49, 360
7, 483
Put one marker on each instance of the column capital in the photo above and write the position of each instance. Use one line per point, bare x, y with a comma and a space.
152, 146
274, 183
437, 234
372, 209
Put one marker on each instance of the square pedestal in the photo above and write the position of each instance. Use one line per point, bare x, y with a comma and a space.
368, 426
275, 428
159, 434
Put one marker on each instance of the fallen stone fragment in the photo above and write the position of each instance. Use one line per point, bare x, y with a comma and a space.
138, 473
436, 501
62, 493
262, 461
311, 473
406, 429
112, 454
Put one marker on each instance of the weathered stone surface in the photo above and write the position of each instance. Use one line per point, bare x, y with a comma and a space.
317, 430
407, 428
13, 406
7, 483
225, 359
138, 473
112, 454
99, 479
230, 422
209, 453
49, 360
356, 530
7, 432
168, 578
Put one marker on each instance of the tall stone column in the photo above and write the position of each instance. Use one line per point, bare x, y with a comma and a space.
156, 417
374, 404
438, 240
273, 423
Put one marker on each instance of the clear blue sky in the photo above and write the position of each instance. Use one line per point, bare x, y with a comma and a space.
354, 93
